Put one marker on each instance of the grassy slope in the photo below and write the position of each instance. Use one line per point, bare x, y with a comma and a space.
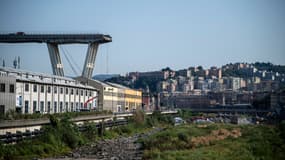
256, 142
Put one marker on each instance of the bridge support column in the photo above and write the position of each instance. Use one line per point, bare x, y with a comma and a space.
90, 60
57, 66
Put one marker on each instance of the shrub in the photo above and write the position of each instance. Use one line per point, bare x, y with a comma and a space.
183, 137
91, 131
139, 117
150, 121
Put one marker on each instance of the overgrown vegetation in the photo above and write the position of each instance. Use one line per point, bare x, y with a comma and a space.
194, 141
61, 136
183, 113
217, 141
57, 138
140, 123
13, 115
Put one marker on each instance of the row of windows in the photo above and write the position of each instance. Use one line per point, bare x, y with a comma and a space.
55, 107
121, 95
61, 89
3, 88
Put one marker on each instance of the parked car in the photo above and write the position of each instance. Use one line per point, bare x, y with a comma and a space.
178, 121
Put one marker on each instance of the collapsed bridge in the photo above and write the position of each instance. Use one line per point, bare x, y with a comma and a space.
53, 40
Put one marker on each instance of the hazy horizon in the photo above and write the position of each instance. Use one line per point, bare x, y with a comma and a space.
149, 35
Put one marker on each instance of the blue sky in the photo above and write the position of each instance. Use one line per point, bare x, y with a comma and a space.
150, 35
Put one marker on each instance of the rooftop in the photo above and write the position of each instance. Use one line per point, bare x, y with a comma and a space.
24, 75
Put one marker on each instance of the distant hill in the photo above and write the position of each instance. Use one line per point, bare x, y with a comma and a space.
103, 77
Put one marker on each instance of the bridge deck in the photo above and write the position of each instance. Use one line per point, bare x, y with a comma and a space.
21, 37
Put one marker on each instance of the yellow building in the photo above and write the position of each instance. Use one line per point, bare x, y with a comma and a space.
115, 97
133, 99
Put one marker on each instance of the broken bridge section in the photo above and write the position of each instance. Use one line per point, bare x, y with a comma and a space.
53, 40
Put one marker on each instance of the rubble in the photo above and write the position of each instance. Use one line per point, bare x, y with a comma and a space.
122, 148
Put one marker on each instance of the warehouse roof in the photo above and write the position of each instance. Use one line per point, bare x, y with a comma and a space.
36, 77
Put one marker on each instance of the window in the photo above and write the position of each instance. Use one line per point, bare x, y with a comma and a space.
61, 90
71, 106
2, 110
77, 106
90, 93
35, 88
71, 90
42, 106
34, 106
66, 107
26, 106
66, 90
12, 88
55, 107
60, 106
86, 93
48, 106
81, 105
27, 87
2, 87
55, 90
81, 92
42, 88
48, 89
76, 91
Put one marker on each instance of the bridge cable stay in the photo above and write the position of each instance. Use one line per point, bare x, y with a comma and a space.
69, 62
72, 59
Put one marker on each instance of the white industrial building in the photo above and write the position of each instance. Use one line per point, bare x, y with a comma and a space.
30, 92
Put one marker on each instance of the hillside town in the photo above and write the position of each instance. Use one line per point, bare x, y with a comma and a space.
246, 85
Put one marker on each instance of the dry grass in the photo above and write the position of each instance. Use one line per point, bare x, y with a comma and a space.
216, 135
